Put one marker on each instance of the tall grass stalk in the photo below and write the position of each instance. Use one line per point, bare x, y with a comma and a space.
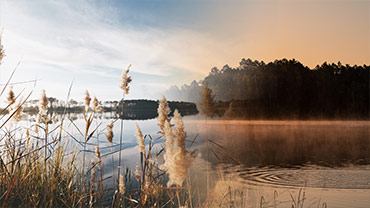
125, 81
88, 123
37, 171
43, 114
120, 137
109, 136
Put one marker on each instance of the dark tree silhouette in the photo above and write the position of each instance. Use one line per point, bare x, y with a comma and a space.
206, 104
287, 89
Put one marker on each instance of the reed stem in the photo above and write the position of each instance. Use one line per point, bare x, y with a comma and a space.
121, 136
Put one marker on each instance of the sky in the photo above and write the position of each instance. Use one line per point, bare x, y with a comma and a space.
169, 42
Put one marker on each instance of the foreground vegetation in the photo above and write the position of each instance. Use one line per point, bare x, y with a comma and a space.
39, 165
38, 171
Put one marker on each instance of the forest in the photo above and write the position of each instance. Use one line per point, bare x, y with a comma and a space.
285, 89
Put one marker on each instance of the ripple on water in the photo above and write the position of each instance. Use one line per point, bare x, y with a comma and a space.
351, 177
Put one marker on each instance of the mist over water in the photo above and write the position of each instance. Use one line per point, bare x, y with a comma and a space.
291, 143
329, 160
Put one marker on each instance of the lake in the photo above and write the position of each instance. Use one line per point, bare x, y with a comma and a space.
284, 161
256, 163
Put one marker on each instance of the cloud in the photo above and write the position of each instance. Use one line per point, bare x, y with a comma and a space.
82, 48
167, 43
58, 43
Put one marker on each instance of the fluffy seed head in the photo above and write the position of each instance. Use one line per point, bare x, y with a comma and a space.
179, 171
169, 149
121, 185
11, 97
1, 51
163, 111
43, 104
96, 107
87, 100
140, 139
169, 137
179, 132
177, 158
137, 175
97, 154
18, 112
126, 81
109, 134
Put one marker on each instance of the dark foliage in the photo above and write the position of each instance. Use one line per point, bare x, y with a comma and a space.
133, 109
147, 109
288, 89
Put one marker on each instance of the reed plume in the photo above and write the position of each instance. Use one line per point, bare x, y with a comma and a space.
125, 81
1, 51
177, 159
137, 174
96, 107
18, 111
11, 97
87, 100
169, 139
121, 185
97, 154
140, 139
182, 158
163, 111
109, 134
180, 130
43, 104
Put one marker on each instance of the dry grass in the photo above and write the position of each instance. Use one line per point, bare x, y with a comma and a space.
32, 176
38, 170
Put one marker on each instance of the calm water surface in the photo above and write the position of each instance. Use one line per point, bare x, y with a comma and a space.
328, 161
284, 161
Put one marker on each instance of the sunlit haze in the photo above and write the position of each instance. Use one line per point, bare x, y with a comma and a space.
169, 42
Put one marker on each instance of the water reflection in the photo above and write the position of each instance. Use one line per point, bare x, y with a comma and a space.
272, 163
329, 159
287, 143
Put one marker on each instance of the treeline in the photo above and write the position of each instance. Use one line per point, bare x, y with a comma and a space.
132, 109
147, 109
285, 89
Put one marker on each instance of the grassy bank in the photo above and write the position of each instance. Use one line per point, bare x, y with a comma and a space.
45, 165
